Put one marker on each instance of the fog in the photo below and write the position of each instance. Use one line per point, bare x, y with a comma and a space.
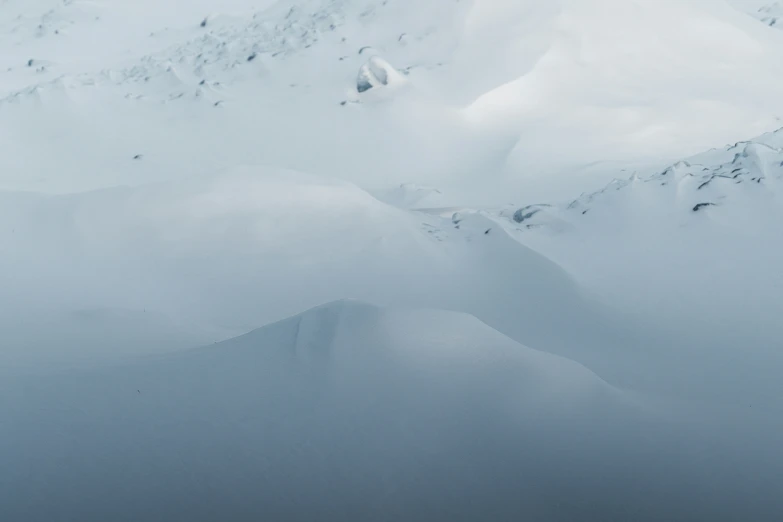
109, 412
351, 412
341, 260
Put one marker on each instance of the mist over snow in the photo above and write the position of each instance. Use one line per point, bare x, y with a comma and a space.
391, 260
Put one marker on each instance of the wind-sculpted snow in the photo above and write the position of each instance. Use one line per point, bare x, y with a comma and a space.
744, 178
693, 250
498, 97
347, 411
228, 250
176, 173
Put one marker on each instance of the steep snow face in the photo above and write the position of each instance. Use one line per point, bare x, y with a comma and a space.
346, 411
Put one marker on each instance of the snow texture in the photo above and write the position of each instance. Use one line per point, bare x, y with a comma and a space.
384, 193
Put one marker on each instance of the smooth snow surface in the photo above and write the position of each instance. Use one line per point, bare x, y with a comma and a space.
385, 194
347, 411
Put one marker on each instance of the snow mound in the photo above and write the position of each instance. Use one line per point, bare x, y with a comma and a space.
227, 249
343, 400
377, 73
393, 343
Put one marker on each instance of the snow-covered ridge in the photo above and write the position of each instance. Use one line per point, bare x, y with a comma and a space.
697, 244
713, 179
344, 396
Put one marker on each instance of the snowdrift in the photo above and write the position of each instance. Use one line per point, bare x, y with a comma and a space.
347, 410
256, 245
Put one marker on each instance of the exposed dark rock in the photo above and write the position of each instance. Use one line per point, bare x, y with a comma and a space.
525, 213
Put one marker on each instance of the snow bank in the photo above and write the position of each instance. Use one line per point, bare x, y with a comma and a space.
347, 410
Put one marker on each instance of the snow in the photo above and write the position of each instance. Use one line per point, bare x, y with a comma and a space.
347, 410
693, 253
554, 97
207, 249
384, 193
691, 213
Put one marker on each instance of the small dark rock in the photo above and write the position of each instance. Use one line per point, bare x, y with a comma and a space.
702, 205
487, 231
252, 57
30, 62
138, 156
343, 102
204, 22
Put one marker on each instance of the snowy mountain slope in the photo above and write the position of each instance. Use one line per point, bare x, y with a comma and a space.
254, 246
173, 174
477, 117
768, 13
39, 339
346, 411
692, 252
771, 14
637, 84
690, 213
